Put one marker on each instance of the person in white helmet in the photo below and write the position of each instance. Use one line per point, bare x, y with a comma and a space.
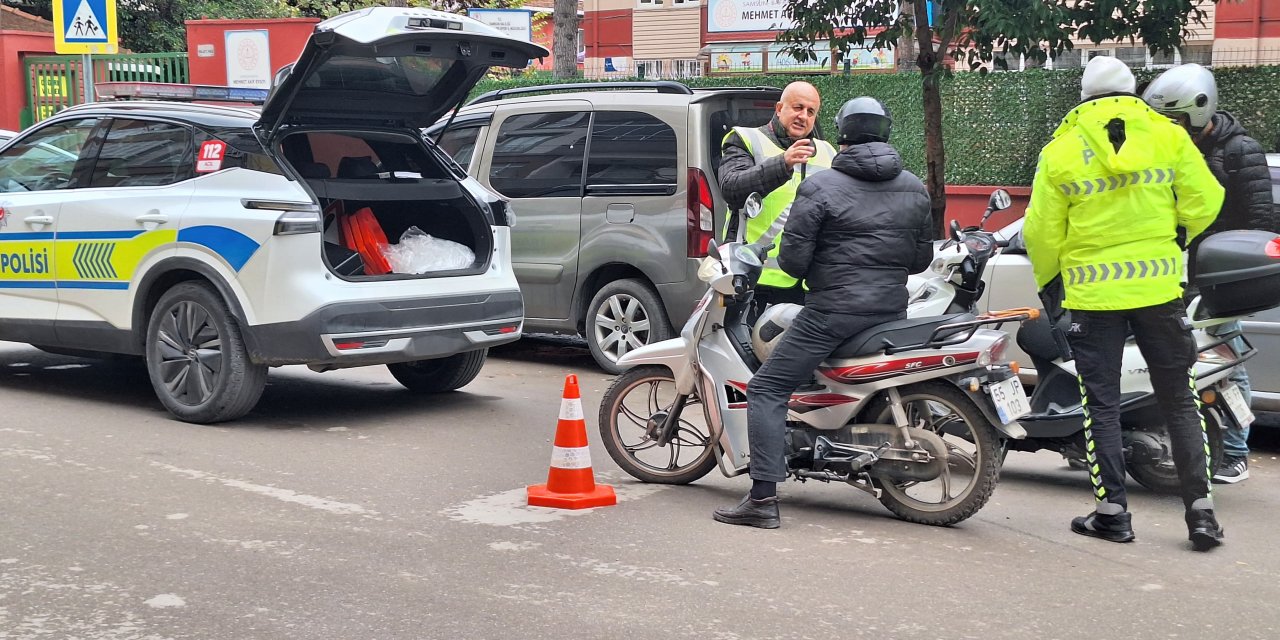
1189, 95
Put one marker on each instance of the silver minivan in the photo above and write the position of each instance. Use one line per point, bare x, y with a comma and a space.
614, 193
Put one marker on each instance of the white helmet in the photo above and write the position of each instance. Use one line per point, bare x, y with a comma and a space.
1185, 89
769, 328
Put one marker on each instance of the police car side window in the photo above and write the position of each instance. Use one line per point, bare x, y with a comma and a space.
46, 159
631, 148
142, 153
460, 144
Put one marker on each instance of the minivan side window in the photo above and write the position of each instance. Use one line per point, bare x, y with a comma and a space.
141, 153
631, 149
46, 159
540, 155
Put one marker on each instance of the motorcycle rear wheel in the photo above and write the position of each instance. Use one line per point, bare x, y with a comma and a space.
1162, 477
974, 453
631, 439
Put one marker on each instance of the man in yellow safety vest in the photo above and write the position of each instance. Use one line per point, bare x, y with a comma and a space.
772, 160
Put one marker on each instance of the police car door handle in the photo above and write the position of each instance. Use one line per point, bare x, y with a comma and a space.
38, 220
152, 220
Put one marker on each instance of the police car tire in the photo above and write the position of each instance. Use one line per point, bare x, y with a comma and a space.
441, 374
239, 383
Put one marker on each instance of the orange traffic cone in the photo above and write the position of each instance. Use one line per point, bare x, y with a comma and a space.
571, 483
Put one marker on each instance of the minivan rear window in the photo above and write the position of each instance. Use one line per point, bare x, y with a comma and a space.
631, 148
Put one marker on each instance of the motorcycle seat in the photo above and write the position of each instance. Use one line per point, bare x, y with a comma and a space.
897, 334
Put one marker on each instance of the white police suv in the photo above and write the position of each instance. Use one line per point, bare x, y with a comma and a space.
219, 241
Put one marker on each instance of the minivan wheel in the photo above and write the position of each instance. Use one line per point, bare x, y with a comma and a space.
196, 358
624, 316
440, 374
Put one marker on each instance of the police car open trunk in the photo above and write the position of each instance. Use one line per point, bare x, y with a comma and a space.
347, 118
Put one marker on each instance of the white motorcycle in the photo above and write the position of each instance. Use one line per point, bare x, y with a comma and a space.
912, 412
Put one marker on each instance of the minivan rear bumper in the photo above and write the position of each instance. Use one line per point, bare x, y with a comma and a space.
354, 334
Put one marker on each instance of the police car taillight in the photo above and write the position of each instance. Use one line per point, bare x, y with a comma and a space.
298, 217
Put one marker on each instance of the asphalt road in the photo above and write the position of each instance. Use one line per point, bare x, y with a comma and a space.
346, 508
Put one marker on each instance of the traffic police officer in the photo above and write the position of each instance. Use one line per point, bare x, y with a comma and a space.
1111, 191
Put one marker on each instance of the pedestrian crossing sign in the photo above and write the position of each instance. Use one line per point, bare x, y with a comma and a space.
85, 26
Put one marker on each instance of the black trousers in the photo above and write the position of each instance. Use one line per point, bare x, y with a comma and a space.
1097, 338
808, 341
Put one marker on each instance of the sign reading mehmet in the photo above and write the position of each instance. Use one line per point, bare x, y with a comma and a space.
725, 16
514, 23
85, 26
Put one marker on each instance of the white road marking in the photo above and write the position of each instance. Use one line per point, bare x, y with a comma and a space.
284, 495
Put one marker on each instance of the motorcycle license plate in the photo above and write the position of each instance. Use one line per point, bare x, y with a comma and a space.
1010, 399
1236, 404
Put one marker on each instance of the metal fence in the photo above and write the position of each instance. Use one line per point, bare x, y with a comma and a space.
54, 83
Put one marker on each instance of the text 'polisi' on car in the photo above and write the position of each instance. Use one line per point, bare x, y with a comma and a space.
219, 241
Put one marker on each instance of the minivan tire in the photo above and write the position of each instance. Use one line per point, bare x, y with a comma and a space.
197, 359
439, 375
612, 315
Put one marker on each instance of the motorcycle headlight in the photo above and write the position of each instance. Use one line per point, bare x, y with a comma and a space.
747, 256
709, 269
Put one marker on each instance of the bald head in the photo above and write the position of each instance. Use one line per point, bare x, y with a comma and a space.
798, 109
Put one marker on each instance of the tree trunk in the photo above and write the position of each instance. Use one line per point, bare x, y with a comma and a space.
906, 48
564, 38
397, 3
935, 158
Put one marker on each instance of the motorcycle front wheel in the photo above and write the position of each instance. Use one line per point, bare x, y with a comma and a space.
973, 457
1162, 476
630, 431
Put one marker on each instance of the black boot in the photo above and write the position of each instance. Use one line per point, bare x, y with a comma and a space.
1113, 528
752, 513
1203, 529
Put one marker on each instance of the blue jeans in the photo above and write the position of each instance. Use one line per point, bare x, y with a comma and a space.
1235, 440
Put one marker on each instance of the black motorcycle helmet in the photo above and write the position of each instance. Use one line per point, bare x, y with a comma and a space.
862, 120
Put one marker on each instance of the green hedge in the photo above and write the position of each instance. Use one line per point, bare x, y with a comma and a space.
994, 124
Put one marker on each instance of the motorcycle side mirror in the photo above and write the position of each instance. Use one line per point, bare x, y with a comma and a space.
712, 247
956, 234
754, 205
1000, 200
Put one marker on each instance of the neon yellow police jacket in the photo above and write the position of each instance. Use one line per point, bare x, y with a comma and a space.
1106, 219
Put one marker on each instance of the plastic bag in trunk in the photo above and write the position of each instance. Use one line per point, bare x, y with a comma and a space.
419, 252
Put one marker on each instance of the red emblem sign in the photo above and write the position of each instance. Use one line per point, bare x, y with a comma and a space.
211, 154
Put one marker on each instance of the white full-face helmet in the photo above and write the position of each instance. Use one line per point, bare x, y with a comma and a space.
769, 328
1186, 90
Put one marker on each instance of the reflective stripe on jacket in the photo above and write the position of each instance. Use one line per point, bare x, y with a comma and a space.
762, 148
1110, 192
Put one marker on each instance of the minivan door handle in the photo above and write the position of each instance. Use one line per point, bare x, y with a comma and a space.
152, 219
38, 221
620, 213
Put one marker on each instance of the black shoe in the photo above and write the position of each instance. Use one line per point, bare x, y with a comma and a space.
752, 513
1233, 470
1116, 528
1203, 529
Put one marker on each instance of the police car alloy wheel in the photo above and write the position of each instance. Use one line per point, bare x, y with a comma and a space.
624, 316
197, 359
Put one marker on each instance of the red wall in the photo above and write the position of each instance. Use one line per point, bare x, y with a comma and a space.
287, 38
607, 33
1248, 19
13, 97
